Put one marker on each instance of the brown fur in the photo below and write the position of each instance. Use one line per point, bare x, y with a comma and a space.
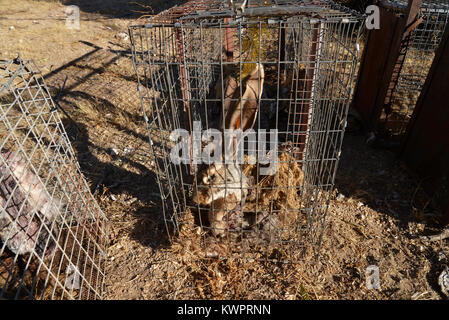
211, 185
217, 214
242, 114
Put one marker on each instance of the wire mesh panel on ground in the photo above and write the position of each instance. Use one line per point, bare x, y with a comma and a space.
420, 47
52, 232
279, 71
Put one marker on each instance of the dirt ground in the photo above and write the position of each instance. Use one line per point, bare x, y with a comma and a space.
375, 218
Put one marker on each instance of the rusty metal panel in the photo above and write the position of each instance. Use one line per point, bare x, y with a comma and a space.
411, 23
383, 59
425, 148
379, 58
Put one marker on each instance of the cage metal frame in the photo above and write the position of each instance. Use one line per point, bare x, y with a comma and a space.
419, 51
316, 44
54, 235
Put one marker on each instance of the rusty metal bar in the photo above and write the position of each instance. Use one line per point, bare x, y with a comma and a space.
229, 43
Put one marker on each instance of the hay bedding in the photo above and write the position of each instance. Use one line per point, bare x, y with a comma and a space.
280, 189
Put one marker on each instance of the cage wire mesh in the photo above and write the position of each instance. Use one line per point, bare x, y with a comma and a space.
270, 65
52, 232
420, 47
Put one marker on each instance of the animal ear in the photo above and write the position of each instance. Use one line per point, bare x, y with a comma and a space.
225, 90
243, 115
230, 85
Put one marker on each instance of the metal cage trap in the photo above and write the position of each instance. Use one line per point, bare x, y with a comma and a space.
274, 79
52, 232
417, 54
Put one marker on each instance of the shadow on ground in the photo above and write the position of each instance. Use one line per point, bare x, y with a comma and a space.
376, 177
105, 125
123, 8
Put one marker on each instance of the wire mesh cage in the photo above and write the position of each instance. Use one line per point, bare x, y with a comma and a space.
52, 232
246, 107
419, 48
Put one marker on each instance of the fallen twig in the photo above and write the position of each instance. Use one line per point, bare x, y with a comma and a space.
356, 227
438, 237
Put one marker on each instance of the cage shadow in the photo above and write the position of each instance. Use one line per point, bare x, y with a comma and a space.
122, 8
109, 123
376, 178
109, 178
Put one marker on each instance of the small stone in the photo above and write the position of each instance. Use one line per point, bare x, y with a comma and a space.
131, 201
415, 295
360, 204
123, 36
340, 197
211, 254
442, 257
114, 151
11, 28
113, 197
127, 150
371, 138
289, 296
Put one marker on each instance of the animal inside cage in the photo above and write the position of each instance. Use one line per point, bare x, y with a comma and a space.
53, 235
419, 46
246, 109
